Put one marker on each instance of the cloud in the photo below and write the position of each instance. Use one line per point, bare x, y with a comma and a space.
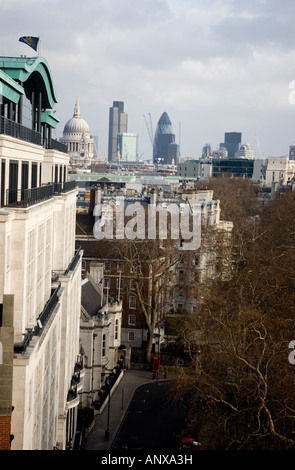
212, 64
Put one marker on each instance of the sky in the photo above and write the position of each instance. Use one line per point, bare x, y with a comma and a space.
214, 66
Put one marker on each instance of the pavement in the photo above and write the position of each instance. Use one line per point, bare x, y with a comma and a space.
119, 403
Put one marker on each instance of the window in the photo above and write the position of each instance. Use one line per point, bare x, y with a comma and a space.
120, 266
132, 301
133, 268
106, 283
2, 195
13, 180
34, 170
83, 265
103, 348
116, 329
107, 266
120, 283
131, 336
131, 320
132, 284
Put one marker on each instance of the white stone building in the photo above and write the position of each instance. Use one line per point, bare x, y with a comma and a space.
245, 151
40, 271
100, 332
279, 170
77, 138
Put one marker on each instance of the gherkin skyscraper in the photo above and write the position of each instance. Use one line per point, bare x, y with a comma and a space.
165, 150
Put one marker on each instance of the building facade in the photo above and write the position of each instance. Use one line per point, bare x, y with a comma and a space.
280, 170
150, 279
41, 367
245, 151
100, 331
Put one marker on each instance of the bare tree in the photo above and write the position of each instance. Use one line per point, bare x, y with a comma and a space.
152, 269
244, 380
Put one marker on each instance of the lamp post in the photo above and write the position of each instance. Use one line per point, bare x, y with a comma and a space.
107, 432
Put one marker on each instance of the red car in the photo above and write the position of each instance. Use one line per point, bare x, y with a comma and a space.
188, 443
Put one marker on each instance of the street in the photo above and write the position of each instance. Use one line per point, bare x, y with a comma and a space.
151, 422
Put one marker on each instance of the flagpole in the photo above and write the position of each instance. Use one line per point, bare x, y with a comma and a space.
39, 46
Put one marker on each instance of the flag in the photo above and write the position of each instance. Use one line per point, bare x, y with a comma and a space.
30, 41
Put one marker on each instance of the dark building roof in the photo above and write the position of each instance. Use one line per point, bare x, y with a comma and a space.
90, 297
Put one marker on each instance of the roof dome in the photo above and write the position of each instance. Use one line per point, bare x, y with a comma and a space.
246, 147
76, 123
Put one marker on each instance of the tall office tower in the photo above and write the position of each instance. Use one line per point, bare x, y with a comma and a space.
173, 154
95, 146
117, 124
292, 152
127, 146
232, 143
163, 137
40, 271
207, 151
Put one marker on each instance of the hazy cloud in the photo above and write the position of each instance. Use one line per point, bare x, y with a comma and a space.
212, 65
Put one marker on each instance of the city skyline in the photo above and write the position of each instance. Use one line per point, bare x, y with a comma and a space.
214, 67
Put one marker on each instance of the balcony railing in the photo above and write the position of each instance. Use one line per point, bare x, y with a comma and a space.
55, 145
14, 129
74, 261
40, 323
31, 196
18, 131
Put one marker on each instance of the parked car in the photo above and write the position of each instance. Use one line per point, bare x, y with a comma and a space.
189, 443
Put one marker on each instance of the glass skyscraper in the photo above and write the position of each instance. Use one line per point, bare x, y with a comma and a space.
127, 146
232, 142
163, 138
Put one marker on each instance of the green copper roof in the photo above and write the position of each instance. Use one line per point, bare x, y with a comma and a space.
34, 74
9, 88
50, 118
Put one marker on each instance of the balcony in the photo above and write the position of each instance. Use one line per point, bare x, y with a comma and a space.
13, 129
18, 131
55, 145
29, 197
72, 397
41, 321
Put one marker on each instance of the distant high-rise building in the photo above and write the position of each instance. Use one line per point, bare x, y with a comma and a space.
232, 143
173, 154
292, 152
127, 146
163, 138
95, 146
117, 124
207, 151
